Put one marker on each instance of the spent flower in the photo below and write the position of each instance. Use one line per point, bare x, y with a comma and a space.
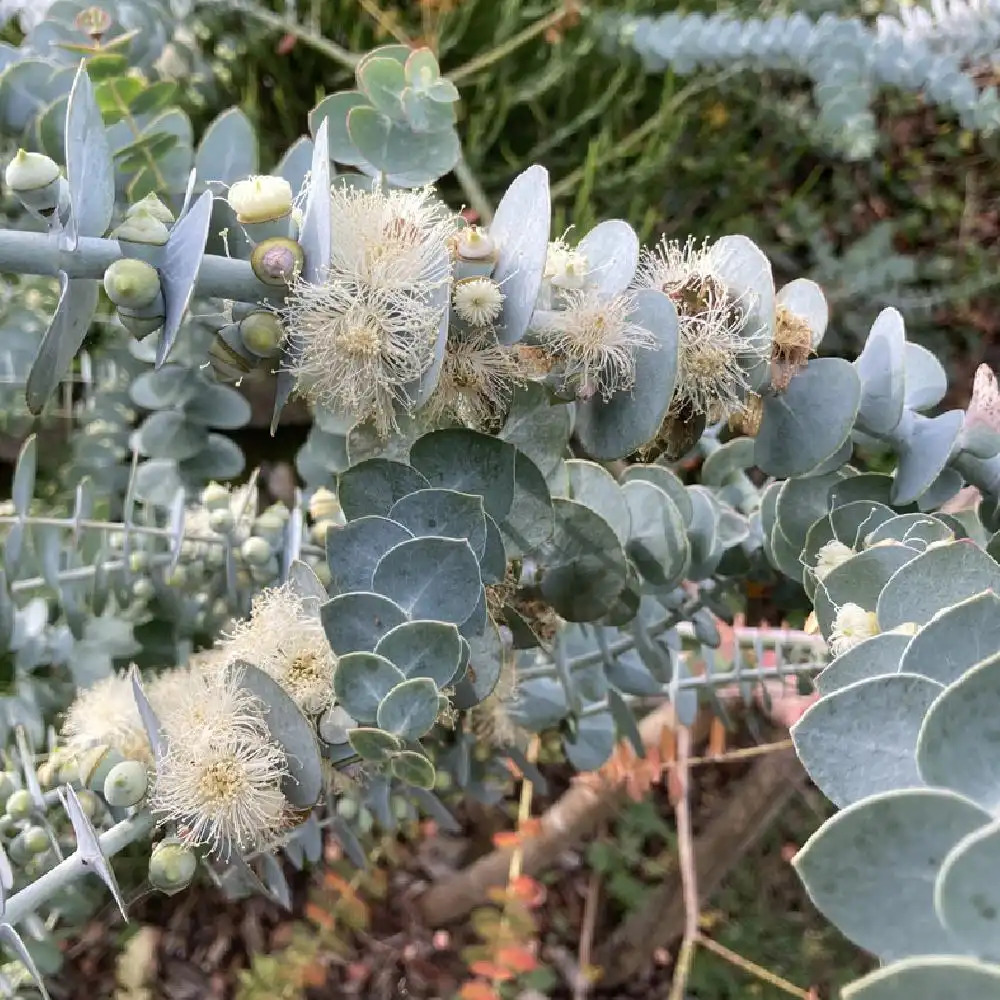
714, 346
594, 337
286, 641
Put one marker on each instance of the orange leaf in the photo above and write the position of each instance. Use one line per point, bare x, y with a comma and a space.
519, 960
478, 991
528, 891
716, 739
490, 970
506, 838
319, 916
531, 827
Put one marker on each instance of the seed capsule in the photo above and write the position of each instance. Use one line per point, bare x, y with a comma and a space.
276, 261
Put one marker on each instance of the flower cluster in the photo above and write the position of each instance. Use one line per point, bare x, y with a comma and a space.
365, 334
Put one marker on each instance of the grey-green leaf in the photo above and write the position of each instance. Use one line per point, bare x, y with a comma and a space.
424, 649
435, 578
291, 730
862, 739
361, 681
871, 868
409, 709
357, 621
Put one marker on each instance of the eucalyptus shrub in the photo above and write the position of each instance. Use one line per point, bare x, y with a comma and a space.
491, 541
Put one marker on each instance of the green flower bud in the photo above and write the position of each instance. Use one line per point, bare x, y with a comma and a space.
37, 183
172, 866
399, 807
324, 505
443, 781
36, 840
132, 284
8, 785
229, 356
319, 530
262, 333
260, 199
277, 261
48, 774
265, 573
278, 510
126, 783
20, 804
177, 577
89, 803
30, 171
365, 820
94, 765
138, 561
256, 551
139, 326
221, 521
270, 525
154, 207
143, 589
215, 496
142, 227
347, 808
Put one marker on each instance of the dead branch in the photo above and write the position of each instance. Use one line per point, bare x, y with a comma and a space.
756, 799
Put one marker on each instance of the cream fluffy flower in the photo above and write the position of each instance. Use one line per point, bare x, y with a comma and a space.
202, 698
830, 556
223, 790
369, 328
288, 643
478, 301
106, 714
852, 625
595, 339
714, 343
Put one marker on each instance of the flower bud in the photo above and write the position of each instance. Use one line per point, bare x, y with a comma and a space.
138, 561
140, 326
262, 333
256, 551
8, 785
270, 525
48, 773
228, 355
265, 573
126, 783
172, 866
319, 531
323, 574
89, 802
260, 199
20, 804
347, 808
142, 228
36, 840
132, 284
30, 172
143, 590
215, 496
154, 207
177, 577
324, 505
221, 521
474, 243
277, 261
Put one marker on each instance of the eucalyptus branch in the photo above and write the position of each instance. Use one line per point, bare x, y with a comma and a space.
43, 253
113, 841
